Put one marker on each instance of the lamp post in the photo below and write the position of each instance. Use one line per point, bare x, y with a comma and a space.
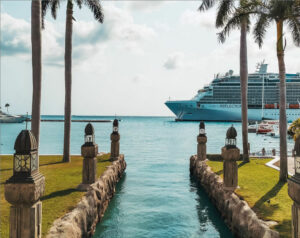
24, 189
294, 191
201, 139
230, 154
89, 151
115, 141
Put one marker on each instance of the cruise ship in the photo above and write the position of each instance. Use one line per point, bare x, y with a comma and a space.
221, 99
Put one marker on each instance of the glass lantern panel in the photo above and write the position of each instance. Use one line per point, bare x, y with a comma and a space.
34, 162
297, 164
89, 138
22, 163
17, 163
232, 141
202, 131
115, 129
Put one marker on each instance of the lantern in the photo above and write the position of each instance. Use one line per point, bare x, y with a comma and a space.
26, 160
230, 141
297, 157
89, 137
115, 126
202, 129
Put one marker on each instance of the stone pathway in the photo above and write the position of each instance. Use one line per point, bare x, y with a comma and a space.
275, 164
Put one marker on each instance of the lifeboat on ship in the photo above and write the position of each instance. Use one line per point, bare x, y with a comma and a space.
294, 106
269, 106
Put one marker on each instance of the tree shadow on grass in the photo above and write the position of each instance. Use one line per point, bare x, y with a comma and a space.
242, 164
220, 172
1, 170
51, 163
285, 228
267, 209
60, 193
103, 160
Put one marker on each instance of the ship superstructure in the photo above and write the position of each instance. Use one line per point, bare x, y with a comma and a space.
221, 99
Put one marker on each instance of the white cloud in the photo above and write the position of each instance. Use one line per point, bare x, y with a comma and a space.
197, 18
118, 25
144, 5
15, 36
174, 61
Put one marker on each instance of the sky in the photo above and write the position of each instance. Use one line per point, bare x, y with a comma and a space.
144, 53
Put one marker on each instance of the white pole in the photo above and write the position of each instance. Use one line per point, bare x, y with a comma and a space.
262, 97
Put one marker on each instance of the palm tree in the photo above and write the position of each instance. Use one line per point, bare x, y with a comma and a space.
280, 12
96, 8
226, 8
36, 42
7, 106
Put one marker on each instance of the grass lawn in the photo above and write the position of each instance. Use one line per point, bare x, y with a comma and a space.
60, 194
259, 186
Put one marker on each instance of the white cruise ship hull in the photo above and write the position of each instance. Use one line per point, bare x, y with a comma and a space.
189, 111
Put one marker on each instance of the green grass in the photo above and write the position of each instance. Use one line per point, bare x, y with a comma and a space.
60, 194
259, 186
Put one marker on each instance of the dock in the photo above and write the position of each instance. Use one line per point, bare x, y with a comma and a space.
61, 120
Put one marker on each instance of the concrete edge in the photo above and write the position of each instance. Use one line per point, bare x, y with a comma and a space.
100, 153
273, 161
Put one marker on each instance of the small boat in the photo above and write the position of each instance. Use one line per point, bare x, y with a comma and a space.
275, 132
7, 118
252, 128
264, 129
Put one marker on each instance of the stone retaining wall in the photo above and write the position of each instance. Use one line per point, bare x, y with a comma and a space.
82, 220
239, 217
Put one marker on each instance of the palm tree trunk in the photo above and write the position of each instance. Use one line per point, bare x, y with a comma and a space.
36, 42
68, 80
282, 116
244, 88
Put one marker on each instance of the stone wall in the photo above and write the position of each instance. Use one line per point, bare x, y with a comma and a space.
82, 220
239, 217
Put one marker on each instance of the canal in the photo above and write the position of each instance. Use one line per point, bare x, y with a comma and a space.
156, 197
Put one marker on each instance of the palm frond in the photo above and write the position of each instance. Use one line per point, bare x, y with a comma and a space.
79, 3
45, 6
224, 11
54, 7
96, 8
260, 28
206, 4
232, 23
294, 26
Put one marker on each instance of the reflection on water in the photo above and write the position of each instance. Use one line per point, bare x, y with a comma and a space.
206, 213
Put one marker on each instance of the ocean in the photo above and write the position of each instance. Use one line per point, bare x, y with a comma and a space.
156, 197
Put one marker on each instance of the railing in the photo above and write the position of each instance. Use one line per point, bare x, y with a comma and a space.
267, 153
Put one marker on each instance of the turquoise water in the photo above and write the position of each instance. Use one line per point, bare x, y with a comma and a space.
156, 197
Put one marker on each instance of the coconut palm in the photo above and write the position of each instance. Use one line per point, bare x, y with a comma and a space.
7, 106
36, 42
96, 8
227, 8
280, 12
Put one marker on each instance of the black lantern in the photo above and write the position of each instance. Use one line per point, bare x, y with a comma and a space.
230, 141
297, 157
115, 126
202, 129
89, 137
26, 160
